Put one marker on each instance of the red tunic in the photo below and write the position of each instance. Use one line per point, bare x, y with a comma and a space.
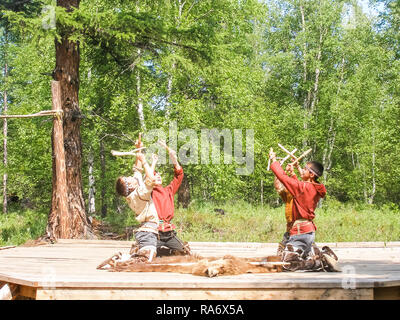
163, 198
305, 198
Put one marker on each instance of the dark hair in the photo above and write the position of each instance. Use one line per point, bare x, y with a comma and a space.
120, 187
317, 167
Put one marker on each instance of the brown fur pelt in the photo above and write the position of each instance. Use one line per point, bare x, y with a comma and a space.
200, 266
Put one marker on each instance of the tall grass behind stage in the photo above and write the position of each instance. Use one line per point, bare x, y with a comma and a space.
242, 222
239, 222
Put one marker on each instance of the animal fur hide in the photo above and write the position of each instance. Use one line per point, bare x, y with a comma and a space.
197, 265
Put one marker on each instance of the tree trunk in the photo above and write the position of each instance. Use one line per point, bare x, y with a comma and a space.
58, 224
92, 190
327, 155
139, 86
184, 193
173, 67
103, 179
67, 73
139, 97
330, 141
317, 70
311, 97
364, 179
184, 190
169, 93
5, 156
307, 97
140, 101
303, 28
373, 189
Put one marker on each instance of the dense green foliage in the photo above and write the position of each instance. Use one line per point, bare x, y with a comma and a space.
242, 222
317, 74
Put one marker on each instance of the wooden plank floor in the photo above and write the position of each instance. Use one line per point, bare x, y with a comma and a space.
67, 270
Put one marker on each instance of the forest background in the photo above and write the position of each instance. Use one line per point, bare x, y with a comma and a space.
314, 74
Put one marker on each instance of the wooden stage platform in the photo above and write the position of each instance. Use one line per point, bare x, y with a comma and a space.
67, 270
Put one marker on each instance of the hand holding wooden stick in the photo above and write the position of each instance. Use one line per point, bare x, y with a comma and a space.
138, 149
301, 157
271, 157
138, 142
163, 144
154, 158
172, 154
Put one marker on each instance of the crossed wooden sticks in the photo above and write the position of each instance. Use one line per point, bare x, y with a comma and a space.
129, 153
290, 155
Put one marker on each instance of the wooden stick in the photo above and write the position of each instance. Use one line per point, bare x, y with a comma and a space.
287, 157
128, 153
38, 114
7, 247
287, 151
301, 157
264, 263
270, 264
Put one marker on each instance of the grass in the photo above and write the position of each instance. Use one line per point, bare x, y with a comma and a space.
19, 226
242, 222
338, 222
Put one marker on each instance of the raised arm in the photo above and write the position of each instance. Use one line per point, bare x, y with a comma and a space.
299, 169
178, 174
147, 169
292, 185
154, 157
172, 155
138, 144
279, 187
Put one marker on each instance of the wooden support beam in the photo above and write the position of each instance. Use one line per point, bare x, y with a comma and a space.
204, 294
387, 293
27, 292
